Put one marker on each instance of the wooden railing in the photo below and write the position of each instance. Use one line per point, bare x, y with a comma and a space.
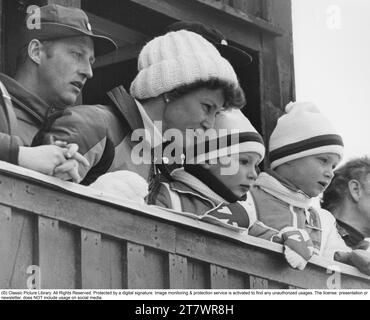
79, 238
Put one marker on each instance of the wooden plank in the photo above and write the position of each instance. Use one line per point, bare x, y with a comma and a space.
112, 257
277, 285
235, 28
246, 15
251, 7
2, 37
191, 243
134, 266
5, 245
47, 253
21, 255
258, 283
122, 54
144, 268
219, 277
266, 9
156, 263
198, 275
68, 255
277, 67
113, 220
178, 271
91, 260
56, 252
251, 260
238, 280
122, 35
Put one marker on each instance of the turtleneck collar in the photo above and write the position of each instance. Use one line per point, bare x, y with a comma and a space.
281, 188
212, 182
31, 103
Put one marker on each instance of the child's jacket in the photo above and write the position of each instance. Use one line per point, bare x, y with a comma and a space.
279, 204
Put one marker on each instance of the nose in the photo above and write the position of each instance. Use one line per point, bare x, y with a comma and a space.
329, 173
209, 121
86, 69
252, 174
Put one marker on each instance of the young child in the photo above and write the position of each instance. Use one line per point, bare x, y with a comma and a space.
204, 182
304, 149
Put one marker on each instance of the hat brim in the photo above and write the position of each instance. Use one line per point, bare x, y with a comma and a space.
238, 58
50, 31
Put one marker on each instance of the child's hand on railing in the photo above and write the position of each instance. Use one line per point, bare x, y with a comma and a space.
298, 246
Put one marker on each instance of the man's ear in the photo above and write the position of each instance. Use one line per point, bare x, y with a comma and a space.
35, 50
354, 188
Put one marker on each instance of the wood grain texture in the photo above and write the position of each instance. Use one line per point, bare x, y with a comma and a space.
219, 277
258, 283
146, 261
91, 260
178, 271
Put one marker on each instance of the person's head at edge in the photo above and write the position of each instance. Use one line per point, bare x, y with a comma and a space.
348, 195
55, 60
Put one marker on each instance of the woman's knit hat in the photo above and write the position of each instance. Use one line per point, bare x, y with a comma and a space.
233, 134
175, 59
302, 132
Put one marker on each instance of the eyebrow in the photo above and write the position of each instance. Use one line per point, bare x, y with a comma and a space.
82, 48
212, 103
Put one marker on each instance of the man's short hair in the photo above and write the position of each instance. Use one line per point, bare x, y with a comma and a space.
335, 194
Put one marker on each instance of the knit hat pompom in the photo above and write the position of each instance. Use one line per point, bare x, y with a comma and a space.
301, 132
176, 59
234, 134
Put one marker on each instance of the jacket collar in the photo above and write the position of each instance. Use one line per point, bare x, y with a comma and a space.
187, 183
29, 102
282, 189
212, 181
349, 234
127, 107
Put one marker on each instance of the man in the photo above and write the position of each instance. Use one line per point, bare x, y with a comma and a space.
348, 199
57, 49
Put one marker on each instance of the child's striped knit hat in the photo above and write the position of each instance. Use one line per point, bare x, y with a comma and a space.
233, 134
302, 132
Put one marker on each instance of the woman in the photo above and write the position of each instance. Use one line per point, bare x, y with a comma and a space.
182, 83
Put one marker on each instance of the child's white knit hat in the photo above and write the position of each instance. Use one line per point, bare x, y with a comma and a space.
175, 59
302, 132
234, 134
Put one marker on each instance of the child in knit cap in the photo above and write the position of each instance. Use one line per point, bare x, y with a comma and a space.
217, 171
304, 150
